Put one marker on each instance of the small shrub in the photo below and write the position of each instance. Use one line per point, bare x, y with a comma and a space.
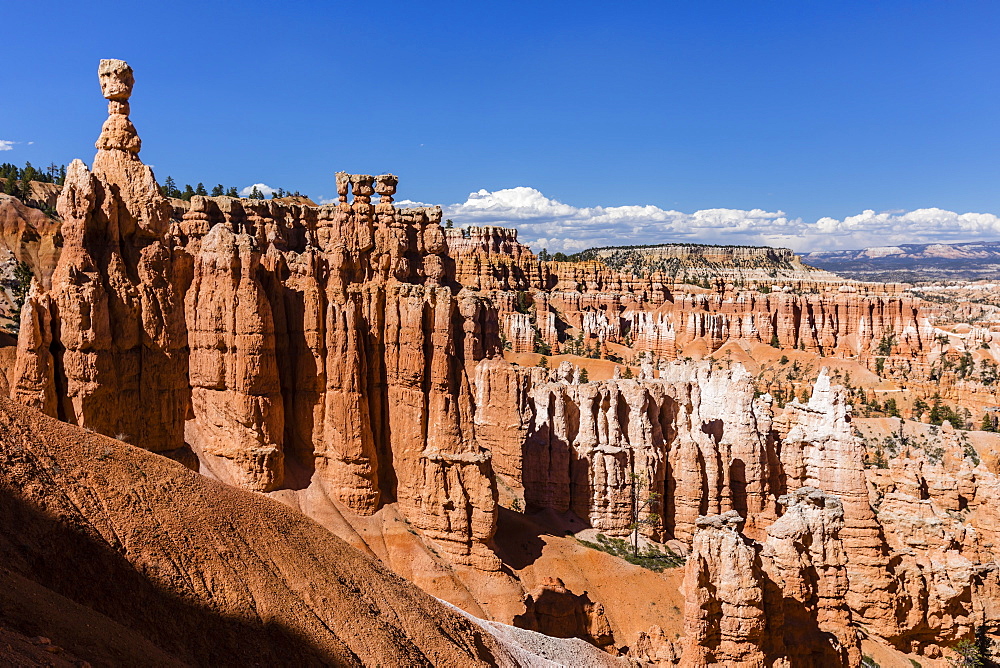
970, 453
649, 558
968, 654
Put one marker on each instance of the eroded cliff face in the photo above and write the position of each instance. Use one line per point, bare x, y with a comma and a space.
656, 313
354, 351
907, 556
117, 356
695, 439
936, 503
285, 345
780, 603
29, 234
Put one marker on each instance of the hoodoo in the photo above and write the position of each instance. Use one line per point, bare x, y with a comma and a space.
537, 442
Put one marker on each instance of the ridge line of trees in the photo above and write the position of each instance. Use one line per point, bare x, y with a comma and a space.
170, 189
17, 183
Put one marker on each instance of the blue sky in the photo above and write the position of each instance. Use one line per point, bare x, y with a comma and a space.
772, 115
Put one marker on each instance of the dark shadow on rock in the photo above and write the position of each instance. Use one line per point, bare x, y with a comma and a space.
72, 565
556, 611
517, 541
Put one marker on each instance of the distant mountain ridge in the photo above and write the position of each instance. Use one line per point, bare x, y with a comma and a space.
911, 263
696, 263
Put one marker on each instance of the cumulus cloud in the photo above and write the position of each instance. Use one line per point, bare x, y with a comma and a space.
918, 226
265, 190
547, 223
6, 145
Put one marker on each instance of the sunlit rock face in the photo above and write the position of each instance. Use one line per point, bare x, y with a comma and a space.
355, 350
277, 341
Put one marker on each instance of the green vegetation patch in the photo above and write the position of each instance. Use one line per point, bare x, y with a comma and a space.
649, 557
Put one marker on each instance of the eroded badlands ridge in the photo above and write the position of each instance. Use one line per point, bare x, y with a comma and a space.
125, 558
356, 350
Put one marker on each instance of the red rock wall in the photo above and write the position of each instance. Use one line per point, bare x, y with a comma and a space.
284, 344
903, 567
335, 346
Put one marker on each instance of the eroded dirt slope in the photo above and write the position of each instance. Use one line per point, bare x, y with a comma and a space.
121, 556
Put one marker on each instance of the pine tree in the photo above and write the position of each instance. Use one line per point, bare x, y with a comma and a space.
643, 499
256, 194
543, 362
19, 291
188, 192
200, 190
10, 186
168, 187
584, 376
28, 174
987, 424
232, 192
890, 408
217, 191
627, 373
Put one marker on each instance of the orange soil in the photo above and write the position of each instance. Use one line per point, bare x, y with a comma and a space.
123, 557
532, 548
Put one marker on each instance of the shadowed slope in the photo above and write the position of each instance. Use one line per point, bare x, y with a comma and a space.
205, 573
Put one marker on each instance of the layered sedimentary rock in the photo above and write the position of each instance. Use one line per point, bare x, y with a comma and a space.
233, 371
696, 440
820, 450
278, 341
30, 235
118, 353
780, 603
660, 315
355, 350
831, 323
805, 559
936, 503
725, 621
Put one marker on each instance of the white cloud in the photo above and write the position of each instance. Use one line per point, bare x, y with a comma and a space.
547, 223
544, 222
265, 190
869, 228
6, 145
